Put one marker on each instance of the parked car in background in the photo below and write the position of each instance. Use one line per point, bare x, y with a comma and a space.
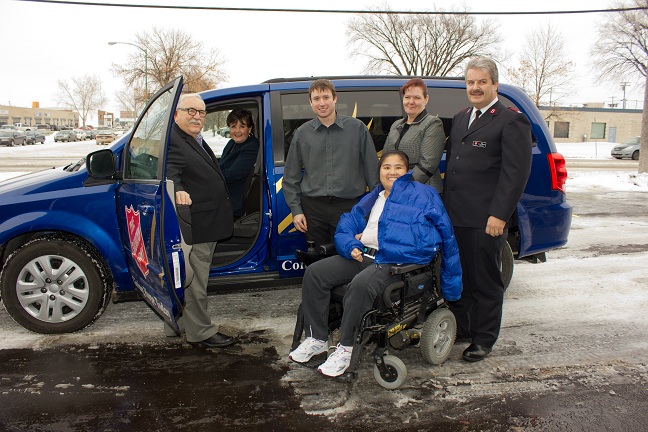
65, 135
91, 133
12, 137
629, 149
8, 127
34, 136
81, 134
43, 127
105, 136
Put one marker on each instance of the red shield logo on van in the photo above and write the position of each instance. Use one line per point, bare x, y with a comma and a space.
136, 240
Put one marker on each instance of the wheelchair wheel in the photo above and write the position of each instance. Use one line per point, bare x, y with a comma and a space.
398, 370
438, 336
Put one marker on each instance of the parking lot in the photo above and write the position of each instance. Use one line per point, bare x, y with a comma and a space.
572, 356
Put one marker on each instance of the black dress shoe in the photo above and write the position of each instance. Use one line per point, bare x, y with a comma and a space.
475, 353
218, 340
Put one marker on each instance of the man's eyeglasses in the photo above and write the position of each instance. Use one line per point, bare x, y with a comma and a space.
192, 111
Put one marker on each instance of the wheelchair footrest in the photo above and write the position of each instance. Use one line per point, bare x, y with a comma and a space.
346, 377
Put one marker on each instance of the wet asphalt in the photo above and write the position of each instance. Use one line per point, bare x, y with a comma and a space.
128, 387
120, 387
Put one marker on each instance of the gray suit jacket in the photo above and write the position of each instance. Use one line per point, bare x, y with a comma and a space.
423, 143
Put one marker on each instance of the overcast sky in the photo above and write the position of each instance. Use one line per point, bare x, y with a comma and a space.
47, 42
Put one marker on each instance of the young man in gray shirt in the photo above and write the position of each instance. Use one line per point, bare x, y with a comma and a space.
339, 162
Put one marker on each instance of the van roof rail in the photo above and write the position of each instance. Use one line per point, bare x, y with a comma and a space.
339, 77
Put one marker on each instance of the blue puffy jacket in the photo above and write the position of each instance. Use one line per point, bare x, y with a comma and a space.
412, 228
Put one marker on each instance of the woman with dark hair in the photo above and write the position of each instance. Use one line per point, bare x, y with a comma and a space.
239, 156
400, 222
419, 134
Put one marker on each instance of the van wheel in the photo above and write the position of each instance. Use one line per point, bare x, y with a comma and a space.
507, 265
635, 155
398, 372
12, 143
54, 285
438, 336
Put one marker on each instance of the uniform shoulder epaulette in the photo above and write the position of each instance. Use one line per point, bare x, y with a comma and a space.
514, 109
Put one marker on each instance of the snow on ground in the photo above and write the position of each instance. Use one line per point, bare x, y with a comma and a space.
586, 150
620, 181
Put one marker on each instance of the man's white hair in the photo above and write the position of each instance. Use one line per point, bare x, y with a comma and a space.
188, 96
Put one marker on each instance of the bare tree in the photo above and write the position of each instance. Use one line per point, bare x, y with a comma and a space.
166, 53
82, 95
544, 70
621, 52
420, 44
130, 99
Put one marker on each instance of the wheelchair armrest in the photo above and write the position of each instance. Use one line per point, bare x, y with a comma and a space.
327, 249
388, 291
311, 256
405, 268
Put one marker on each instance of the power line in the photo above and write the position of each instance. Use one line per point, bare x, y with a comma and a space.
333, 11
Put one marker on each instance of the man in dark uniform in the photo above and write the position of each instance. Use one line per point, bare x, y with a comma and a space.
488, 164
199, 184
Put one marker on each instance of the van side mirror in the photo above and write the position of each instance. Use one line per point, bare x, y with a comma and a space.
101, 164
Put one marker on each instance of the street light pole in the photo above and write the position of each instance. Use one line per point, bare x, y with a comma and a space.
145, 62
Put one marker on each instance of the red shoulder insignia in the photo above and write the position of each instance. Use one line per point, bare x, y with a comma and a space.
514, 109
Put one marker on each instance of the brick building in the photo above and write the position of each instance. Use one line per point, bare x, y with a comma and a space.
592, 123
36, 115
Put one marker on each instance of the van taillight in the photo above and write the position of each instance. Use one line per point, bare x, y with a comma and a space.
558, 171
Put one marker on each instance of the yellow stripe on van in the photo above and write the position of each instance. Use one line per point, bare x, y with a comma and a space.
279, 185
285, 223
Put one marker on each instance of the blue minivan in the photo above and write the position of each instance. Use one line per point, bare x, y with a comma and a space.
72, 238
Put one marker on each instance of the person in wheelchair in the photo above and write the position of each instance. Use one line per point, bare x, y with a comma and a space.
400, 222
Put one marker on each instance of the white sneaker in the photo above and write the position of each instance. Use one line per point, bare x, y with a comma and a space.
308, 349
337, 363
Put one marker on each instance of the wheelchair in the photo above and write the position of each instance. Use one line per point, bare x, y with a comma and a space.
411, 311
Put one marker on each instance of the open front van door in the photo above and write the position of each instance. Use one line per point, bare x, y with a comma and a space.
147, 217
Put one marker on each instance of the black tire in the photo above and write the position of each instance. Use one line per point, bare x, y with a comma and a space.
438, 336
12, 143
507, 265
64, 274
635, 155
398, 370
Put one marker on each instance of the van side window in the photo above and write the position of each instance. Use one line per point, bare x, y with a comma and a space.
377, 109
144, 149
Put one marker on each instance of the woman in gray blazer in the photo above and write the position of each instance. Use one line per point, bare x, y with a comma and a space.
419, 134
